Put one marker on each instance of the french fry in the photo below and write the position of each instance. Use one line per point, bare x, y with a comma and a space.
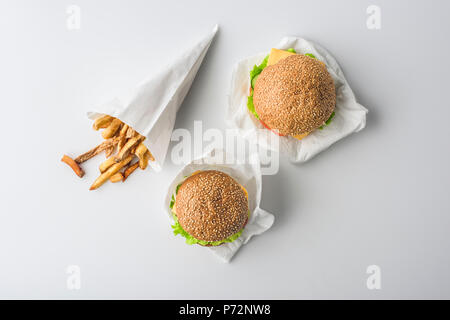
109, 151
106, 164
102, 122
143, 163
143, 154
126, 149
110, 172
75, 167
141, 150
118, 130
112, 129
116, 177
122, 141
129, 171
130, 133
122, 136
124, 129
93, 152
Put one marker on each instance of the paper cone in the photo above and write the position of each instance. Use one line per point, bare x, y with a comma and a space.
151, 110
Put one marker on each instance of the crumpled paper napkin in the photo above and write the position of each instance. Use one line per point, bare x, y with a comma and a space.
349, 117
152, 107
249, 176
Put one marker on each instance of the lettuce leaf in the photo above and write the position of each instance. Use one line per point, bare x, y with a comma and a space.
258, 69
310, 55
172, 202
251, 106
254, 73
177, 229
328, 121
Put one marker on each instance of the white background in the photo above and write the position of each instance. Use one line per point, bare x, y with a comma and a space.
378, 197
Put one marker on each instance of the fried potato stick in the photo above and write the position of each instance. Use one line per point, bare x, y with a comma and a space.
130, 133
116, 177
102, 122
106, 164
129, 171
143, 154
109, 151
112, 129
126, 149
122, 136
143, 163
141, 150
93, 152
110, 172
72, 163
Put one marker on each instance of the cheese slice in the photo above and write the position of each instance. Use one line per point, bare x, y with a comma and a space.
245, 191
276, 55
301, 136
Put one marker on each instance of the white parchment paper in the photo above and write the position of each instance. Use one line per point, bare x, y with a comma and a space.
249, 176
152, 107
349, 117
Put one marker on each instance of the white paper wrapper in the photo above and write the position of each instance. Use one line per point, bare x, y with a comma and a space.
249, 176
349, 117
152, 107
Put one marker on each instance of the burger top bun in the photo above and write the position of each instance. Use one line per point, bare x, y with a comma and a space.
294, 96
211, 206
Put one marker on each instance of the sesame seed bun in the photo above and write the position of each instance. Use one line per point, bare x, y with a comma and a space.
211, 206
294, 96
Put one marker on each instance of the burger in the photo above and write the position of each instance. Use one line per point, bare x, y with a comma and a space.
291, 94
209, 208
